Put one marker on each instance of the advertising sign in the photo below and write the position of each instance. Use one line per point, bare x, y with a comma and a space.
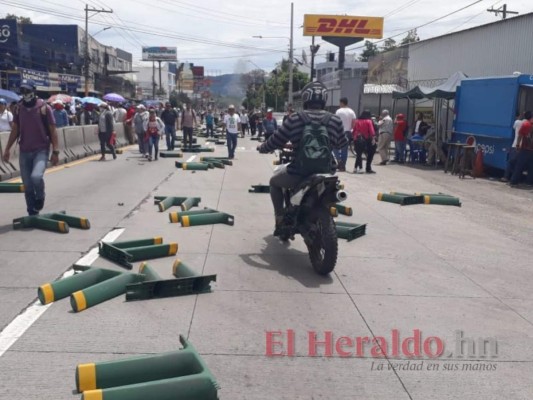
40, 78
343, 26
160, 54
8, 35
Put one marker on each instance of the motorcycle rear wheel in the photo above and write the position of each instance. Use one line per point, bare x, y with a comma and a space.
323, 249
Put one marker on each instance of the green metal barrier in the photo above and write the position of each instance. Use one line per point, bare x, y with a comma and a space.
187, 282
11, 188
124, 253
165, 202
349, 231
435, 198
175, 217
55, 222
401, 199
259, 189
344, 210
170, 154
207, 219
180, 374
192, 166
222, 160
189, 203
198, 150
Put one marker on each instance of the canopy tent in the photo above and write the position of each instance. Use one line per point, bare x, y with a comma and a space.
443, 91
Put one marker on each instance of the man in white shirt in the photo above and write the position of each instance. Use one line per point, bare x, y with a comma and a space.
386, 126
232, 124
348, 117
6, 118
512, 155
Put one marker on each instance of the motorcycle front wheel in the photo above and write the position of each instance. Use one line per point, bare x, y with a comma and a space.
323, 246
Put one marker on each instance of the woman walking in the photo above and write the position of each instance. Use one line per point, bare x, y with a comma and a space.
364, 137
154, 129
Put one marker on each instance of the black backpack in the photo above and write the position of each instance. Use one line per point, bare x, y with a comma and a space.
314, 151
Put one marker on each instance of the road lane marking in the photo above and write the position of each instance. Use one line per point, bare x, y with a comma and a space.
14, 331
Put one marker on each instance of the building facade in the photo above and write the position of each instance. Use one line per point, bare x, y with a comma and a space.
54, 56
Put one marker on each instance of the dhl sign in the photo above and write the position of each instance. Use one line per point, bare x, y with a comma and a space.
343, 26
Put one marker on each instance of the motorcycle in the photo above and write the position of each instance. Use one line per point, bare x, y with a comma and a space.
307, 211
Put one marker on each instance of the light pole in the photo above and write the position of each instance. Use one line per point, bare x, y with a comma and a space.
101, 30
264, 84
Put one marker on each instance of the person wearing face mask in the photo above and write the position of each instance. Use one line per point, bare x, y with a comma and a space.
60, 114
6, 117
35, 128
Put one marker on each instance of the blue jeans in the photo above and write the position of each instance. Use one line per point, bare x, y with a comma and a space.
231, 138
399, 150
153, 142
524, 161
170, 135
32, 167
210, 132
512, 156
342, 154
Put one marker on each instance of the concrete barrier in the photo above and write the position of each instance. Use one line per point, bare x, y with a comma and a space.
9, 169
122, 140
74, 141
90, 138
64, 155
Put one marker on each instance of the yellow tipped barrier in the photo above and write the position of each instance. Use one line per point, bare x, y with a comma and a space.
55, 222
434, 198
88, 288
175, 217
11, 187
223, 160
344, 210
165, 202
124, 253
401, 199
187, 282
192, 166
180, 374
207, 219
333, 212
170, 154
349, 231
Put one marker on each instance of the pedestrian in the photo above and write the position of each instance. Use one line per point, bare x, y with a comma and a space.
364, 137
60, 114
209, 127
188, 122
386, 127
128, 124
106, 129
511, 155
400, 137
232, 124
244, 123
169, 116
141, 115
252, 120
524, 158
6, 117
348, 117
154, 129
270, 125
34, 127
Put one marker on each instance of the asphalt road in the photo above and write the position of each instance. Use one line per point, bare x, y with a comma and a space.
450, 273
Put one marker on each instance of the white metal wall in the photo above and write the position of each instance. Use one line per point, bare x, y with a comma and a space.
495, 49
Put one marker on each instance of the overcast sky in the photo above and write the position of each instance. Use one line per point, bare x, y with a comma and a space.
218, 34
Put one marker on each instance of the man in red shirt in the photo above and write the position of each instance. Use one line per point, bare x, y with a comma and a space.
525, 151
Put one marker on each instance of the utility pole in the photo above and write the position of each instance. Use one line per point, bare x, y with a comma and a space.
86, 58
290, 57
153, 80
314, 49
503, 10
160, 87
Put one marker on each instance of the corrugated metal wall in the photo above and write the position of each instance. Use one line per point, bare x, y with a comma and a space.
492, 50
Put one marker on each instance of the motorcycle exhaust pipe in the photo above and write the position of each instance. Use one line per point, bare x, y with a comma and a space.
341, 195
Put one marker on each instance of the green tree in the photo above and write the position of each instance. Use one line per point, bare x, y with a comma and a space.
411, 37
388, 44
370, 50
20, 20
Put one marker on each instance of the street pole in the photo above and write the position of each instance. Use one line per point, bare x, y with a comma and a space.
153, 80
160, 87
86, 58
291, 56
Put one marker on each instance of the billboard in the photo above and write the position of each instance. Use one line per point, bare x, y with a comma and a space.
343, 26
8, 36
160, 54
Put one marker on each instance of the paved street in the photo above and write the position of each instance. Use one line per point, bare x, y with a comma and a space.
445, 271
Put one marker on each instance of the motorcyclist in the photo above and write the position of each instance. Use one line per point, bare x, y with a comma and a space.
314, 97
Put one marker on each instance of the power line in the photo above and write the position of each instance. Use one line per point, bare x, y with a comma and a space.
401, 8
423, 25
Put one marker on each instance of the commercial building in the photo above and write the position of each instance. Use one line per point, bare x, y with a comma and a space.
54, 56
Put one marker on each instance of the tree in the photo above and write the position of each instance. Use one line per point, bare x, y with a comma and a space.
20, 20
411, 37
388, 44
370, 50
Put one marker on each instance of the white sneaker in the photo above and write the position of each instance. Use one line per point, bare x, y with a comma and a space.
359, 170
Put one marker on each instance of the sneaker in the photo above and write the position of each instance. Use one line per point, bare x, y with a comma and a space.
101, 158
39, 205
360, 170
383, 162
114, 156
370, 172
505, 180
149, 158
